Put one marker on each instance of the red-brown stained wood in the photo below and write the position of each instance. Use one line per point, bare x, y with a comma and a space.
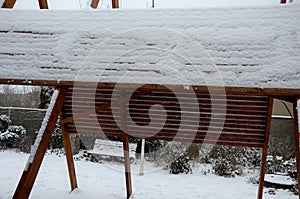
8, 4
265, 152
283, 1
246, 91
28, 177
43, 4
115, 3
125, 145
297, 142
69, 155
94, 3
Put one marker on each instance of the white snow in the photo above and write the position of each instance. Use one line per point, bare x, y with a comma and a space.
280, 179
250, 47
112, 148
125, 4
42, 129
107, 181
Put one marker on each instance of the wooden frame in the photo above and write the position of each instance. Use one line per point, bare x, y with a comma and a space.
29, 175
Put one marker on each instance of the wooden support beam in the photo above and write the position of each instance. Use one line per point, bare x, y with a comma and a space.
296, 106
43, 4
127, 166
115, 3
8, 4
94, 4
36, 157
122, 105
265, 151
69, 155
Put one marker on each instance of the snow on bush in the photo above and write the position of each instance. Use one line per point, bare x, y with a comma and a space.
4, 123
12, 136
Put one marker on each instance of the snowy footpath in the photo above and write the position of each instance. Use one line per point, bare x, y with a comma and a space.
107, 181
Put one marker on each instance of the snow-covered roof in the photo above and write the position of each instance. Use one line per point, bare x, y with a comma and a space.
244, 47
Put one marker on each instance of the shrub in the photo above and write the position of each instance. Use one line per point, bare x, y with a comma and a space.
13, 136
181, 165
4, 123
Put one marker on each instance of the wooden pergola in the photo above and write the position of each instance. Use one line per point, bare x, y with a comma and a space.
228, 114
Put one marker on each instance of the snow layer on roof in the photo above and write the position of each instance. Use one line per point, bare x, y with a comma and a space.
248, 47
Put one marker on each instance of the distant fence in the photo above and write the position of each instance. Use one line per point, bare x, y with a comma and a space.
282, 135
29, 118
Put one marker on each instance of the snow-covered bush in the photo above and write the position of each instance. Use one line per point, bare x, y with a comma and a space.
181, 165
12, 137
4, 123
56, 141
173, 156
228, 160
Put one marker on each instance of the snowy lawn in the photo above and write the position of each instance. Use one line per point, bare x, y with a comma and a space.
107, 181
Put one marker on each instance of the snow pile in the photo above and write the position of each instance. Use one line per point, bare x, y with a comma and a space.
249, 47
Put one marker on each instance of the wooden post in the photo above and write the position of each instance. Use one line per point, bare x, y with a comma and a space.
142, 158
122, 106
94, 4
127, 166
296, 106
8, 4
265, 151
43, 4
283, 1
115, 3
34, 162
69, 155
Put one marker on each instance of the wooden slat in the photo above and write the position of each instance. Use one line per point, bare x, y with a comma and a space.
242, 117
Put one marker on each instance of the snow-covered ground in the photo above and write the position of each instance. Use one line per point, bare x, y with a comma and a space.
104, 4
107, 181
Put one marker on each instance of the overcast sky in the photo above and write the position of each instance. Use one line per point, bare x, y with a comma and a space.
77, 4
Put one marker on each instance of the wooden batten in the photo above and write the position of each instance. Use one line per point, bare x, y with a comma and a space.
8, 4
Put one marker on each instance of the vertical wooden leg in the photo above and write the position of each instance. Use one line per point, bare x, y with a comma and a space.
43, 4
36, 157
265, 151
127, 166
8, 4
94, 4
115, 3
69, 157
297, 137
